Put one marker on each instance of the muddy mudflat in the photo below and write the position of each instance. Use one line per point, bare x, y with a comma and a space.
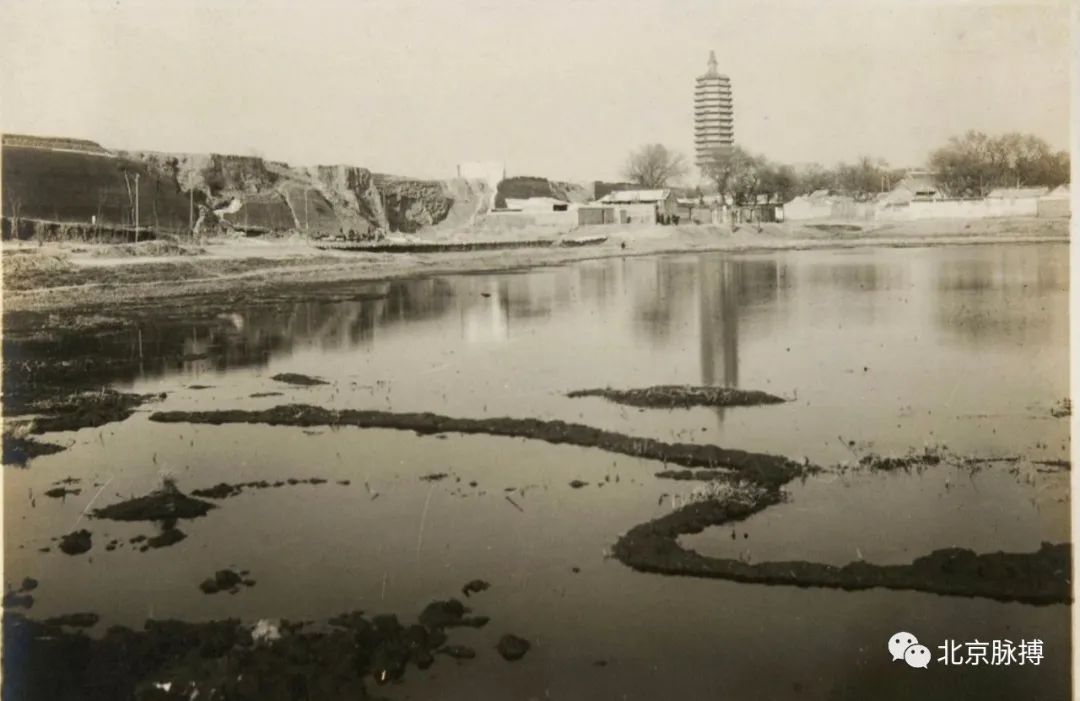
762, 468
421, 510
347, 657
681, 396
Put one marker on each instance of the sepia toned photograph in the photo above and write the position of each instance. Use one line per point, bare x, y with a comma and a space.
507, 349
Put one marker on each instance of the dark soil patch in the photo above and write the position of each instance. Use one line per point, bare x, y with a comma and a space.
170, 536
1060, 464
458, 652
61, 492
217, 659
681, 396
295, 378
74, 620
475, 587
219, 491
434, 477
224, 490
1041, 577
76, 542
165, 504
758, 467
224, 580
86, 409
512, 647
578, 484
18, 600
694, 475
913, 461
19, 451
450, 614
257, 395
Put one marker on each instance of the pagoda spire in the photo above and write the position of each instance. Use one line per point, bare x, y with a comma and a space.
712, 63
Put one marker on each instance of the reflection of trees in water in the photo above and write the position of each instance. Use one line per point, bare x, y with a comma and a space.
249, 336
846, 280
662, 289
599, 282
1032, 275
533, 296
1003, 295
856, 276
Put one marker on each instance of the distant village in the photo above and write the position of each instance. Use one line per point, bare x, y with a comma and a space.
914, 197
740, 187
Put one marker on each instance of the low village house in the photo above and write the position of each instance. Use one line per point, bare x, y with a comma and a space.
917, 196
643, 206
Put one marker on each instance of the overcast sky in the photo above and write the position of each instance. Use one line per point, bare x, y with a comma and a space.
557, 88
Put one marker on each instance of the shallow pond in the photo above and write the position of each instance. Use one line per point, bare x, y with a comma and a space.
879, 351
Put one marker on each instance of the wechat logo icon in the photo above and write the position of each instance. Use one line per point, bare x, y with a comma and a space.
906, 647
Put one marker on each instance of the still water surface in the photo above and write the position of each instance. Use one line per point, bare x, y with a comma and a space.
878, 350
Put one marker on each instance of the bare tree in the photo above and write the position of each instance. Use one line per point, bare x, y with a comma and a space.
15, 214
975, 163
654, 166
733, 170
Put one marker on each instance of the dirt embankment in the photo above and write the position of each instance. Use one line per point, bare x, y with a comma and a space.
760, 467
526, 187
60, 191
54, 193
1041, 577
412, 205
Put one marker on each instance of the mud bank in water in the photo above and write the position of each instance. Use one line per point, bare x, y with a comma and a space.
1041, 577
681, 396
295, 378
166, 504
224, 490
20, 450
695, 475
269, 661
758, 467
61, 411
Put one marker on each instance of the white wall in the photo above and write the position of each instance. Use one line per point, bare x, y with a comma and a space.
1054, 207
961, 209
799, 210
635, 213
514, 220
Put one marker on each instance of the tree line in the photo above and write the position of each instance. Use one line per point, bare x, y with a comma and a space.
966, 166
974, 164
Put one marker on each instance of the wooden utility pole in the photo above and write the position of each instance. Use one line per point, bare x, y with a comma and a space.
136, 208
191, 211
